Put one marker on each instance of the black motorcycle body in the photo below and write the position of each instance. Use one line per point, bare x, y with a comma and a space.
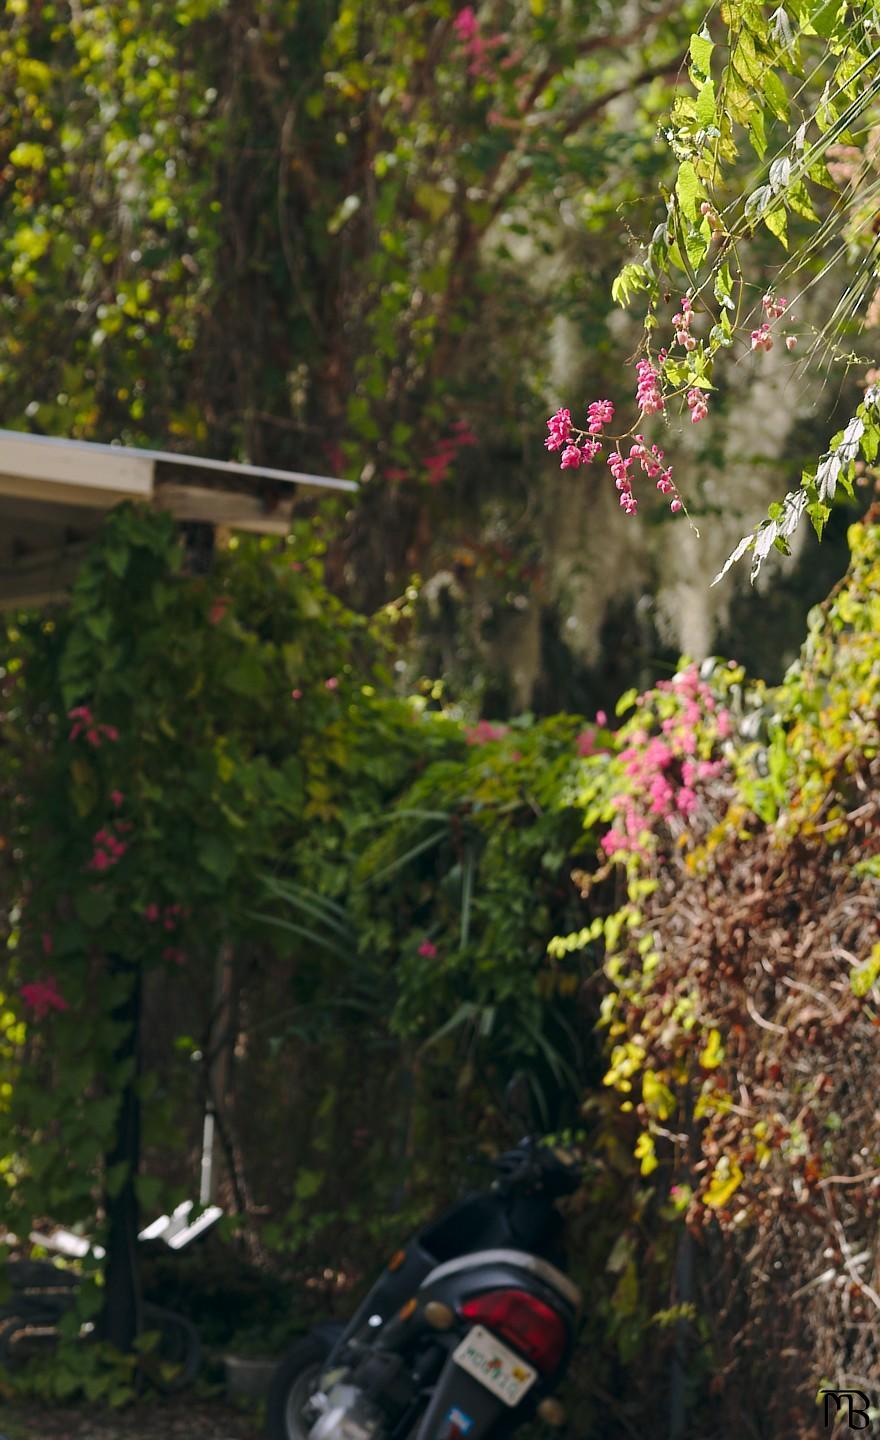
465, 1332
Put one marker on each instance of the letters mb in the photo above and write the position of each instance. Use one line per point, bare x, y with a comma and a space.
856, 1402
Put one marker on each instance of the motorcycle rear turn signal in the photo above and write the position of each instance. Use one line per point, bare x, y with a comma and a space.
552, 1412
406, 1310
396, 1260
439, 1316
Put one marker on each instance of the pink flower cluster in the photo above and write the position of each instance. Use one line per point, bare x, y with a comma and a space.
649, 392
664, 770
682, 323
698, 405
599, 414
438, 464
41, 996
84, 722
485, 731
579, 447
585, 742
559, 426
651, 462
477, 47
761, 338
772, 307
428, 950
170, 916
108, 849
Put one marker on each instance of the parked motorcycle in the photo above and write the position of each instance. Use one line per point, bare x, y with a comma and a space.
466, 1333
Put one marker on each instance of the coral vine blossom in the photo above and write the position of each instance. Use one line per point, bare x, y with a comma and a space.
41, 996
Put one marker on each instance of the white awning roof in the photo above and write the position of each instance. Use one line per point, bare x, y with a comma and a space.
54, 493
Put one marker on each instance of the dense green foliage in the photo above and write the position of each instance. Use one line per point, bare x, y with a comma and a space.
797, 88
391, 878
320, 234
310, 233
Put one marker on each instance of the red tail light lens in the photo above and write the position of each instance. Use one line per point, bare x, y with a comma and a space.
526, 1323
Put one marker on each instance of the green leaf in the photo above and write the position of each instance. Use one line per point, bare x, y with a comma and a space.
706, 113
757, 131
631, 279
94, 907
701, 47
776, 221
689, 191
217, 856
826, 20
798, 199
117, 559
776, 96
723, 286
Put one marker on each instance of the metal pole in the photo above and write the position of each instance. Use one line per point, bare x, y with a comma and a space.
218, 1045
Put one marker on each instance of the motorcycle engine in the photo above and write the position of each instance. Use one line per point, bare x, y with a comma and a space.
365, 1401
346, 1414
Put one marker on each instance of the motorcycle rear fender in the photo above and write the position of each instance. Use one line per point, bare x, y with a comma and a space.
489, 1272
390, 1291
462, 1407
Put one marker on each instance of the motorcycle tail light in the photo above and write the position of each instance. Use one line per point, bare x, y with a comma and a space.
525, 1322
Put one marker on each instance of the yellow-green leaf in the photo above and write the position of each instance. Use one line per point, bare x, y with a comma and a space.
726, 1179
712, 1053
645, 1153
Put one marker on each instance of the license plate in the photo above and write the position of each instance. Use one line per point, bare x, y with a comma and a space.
496, 1367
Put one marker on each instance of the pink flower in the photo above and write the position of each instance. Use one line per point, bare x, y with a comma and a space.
110, 732
601, 717
589, 450
484, 731
465, 23
428, 950
93, 738
100, 861
773, 308
790, 342
41, 996
571, 458
559, 426
151, 912
296, 694
697, 406
116, 797
332, 683
464, 435
686, 800
599, 414
649, 396
585, 743
761, 338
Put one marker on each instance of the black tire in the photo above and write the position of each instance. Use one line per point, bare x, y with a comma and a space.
290, 1387
177, 1359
